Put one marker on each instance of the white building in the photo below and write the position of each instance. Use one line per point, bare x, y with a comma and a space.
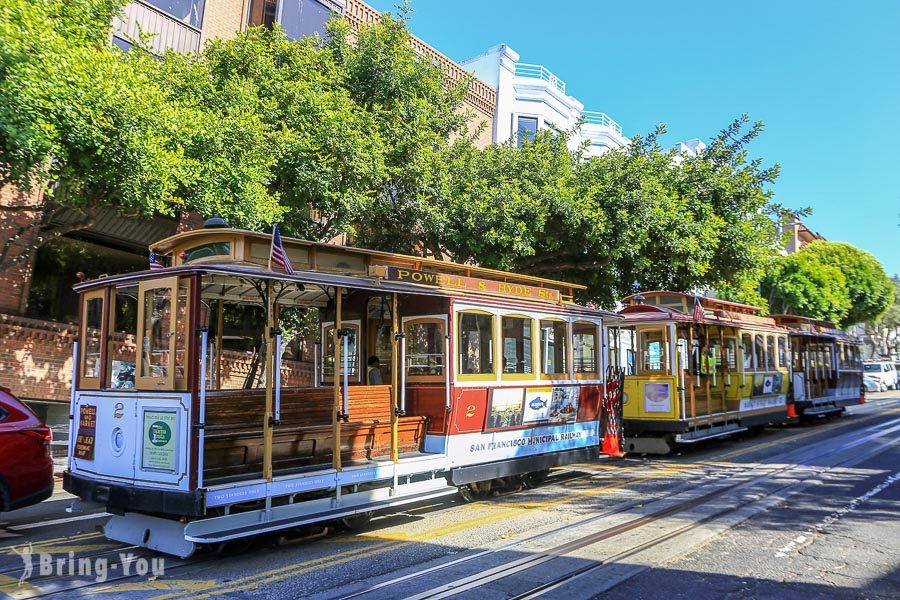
530, 97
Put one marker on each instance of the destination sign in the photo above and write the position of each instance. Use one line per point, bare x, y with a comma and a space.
87, 431
471, 284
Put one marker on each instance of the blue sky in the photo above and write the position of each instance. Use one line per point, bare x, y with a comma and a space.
824, 76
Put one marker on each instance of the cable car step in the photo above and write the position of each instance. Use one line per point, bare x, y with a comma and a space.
162, 535
229, 527
715, 431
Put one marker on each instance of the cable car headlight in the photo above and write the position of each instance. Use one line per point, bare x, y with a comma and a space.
118, 441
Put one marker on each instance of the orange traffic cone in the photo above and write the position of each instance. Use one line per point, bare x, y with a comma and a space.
611, 446
862, 398
792, 411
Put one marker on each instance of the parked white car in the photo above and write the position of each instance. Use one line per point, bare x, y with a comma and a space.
871, 384
884, 372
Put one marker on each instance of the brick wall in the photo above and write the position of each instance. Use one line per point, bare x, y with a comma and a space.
236, 366
36, 357
14, 282
36, 360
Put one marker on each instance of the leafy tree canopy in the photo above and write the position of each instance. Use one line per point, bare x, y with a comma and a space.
93, 128
868, 287
829, 280
357, 134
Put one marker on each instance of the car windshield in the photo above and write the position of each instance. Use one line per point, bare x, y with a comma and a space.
872, 368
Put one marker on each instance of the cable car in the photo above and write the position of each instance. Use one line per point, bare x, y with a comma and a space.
826, 367
222, 396
698, 368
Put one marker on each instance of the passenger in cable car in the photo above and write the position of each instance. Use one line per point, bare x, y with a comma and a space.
373, 376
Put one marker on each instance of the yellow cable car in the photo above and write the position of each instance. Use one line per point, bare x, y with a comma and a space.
698, 368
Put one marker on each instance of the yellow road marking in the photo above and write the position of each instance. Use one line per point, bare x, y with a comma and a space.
195, 585
8, 549
11, 587
387, 542
390, 542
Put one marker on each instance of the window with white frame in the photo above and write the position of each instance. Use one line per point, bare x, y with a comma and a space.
526, 128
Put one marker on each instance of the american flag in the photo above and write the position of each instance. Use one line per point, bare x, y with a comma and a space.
154, 261
698, 309
278, 256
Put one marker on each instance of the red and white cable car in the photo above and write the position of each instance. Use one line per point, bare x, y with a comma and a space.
217, 397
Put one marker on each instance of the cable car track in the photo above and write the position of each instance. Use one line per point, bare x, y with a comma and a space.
563, 476
510, 568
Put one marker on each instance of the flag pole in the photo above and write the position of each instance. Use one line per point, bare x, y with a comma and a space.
272, 247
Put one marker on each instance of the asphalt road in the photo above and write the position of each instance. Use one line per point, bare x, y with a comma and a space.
806, 511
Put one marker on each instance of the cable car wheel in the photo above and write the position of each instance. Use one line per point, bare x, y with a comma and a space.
472, 492
535, 478
356, 521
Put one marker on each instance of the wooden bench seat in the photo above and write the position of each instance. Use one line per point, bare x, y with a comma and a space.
304, 437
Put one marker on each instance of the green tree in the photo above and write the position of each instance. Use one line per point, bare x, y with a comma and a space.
800, 284
280, 111
642, 214
92, 127
868, 287
419, 116
829, 280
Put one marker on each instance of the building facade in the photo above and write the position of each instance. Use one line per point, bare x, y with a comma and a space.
529, 97
186, 25
37, 305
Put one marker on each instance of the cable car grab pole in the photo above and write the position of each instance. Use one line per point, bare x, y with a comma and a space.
395, 381
268, 420
278, 377
201, 421
335, 422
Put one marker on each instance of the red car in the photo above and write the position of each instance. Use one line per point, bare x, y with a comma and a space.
26, 469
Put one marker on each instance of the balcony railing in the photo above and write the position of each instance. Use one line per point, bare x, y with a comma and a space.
603, 119
540, 72
165, 31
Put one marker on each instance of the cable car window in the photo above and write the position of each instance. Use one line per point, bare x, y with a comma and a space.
730, 354
93, 341
747, 351
653, 351
770, 352
715, 355
380, 334
157, 327
476, 344
584, 348
613, 336
352, 351
207, 251
629, 344
424, 349
553, 347
782, 352
518, 354
759, 352
122, 348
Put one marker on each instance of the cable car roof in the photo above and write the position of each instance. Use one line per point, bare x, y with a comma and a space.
235, 283
176, 245
814, 328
